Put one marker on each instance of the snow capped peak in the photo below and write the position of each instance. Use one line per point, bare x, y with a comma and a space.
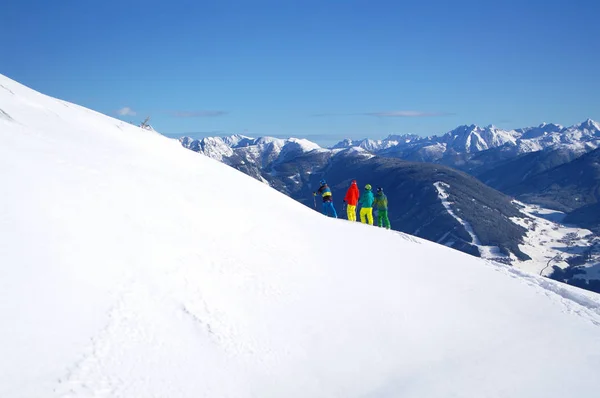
403, 138
589, 124
300, 144
305, 144
262, 151
551, 127
472, 138
345, 143
296, 147
359, 151
367, 144
265, 140
236, 139
186, 140
536, 133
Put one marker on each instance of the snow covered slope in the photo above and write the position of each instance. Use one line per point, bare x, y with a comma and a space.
132, 267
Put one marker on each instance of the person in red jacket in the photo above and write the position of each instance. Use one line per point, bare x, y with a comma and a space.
351, 200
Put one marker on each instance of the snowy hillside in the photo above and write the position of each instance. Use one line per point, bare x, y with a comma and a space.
132, 267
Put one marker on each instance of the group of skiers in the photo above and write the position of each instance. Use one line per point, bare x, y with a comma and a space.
353, 198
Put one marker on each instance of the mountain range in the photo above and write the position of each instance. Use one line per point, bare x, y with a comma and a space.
481, 169
457, 146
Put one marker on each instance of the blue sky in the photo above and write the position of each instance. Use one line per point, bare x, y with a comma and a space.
317, 69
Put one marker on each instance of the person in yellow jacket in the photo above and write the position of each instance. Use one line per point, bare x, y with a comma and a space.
366, 204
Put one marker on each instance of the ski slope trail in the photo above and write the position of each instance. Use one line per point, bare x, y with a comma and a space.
133, 267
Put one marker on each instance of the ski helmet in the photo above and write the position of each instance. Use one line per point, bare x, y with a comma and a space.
379, 189
322, 182
368, 187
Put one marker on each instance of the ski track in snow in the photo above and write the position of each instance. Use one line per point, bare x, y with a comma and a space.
576, 301
444, 198
484, 251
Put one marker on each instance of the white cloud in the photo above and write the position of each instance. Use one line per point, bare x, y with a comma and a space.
199, 113
389, 114
405, 114
126, 111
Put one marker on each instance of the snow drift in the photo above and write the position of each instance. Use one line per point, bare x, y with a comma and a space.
132, 267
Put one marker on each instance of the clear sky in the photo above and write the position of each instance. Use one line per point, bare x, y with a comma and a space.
317, 69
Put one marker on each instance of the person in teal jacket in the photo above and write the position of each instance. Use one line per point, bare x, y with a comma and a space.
381, 205
366, 204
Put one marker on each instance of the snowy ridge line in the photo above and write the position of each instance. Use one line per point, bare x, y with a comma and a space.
568, 295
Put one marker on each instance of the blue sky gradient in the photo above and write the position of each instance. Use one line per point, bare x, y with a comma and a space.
318, 69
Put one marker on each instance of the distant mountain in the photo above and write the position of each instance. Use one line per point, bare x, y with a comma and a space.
376, 145
476, 149
282, 163
566, 187
539, 131
504, 174
500, 158
470, 139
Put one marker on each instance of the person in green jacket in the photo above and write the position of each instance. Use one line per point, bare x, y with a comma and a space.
366, 203
381, 205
